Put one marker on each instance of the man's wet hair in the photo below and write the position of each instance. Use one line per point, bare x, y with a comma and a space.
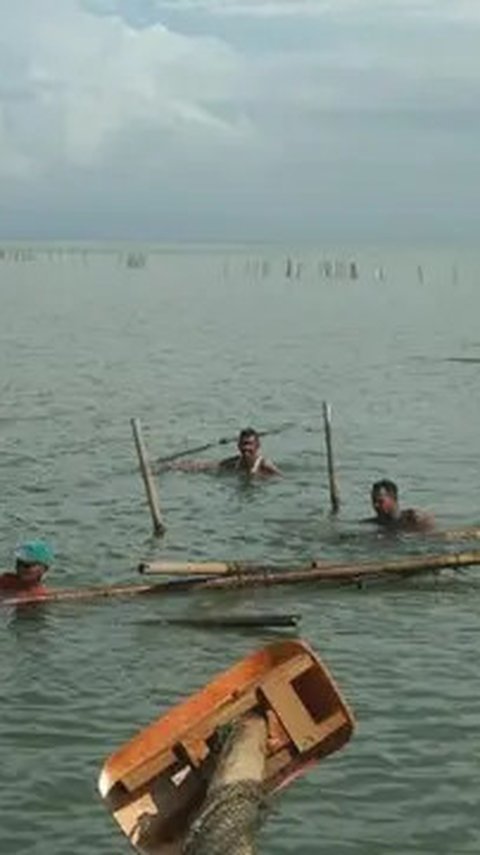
248, 433
385, 484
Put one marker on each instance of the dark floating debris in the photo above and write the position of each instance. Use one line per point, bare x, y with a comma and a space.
468, 360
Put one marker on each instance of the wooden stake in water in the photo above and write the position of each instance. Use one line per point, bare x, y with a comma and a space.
332, 481
148, 480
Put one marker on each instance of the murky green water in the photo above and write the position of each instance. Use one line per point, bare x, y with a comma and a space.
197, 344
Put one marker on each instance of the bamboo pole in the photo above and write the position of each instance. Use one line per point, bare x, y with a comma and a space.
102, 592
332, 481
214, 569
353, 572
148, 480
455, 534
194, 568
262, 576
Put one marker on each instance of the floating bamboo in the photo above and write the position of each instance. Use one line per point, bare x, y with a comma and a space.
148, 480
100, 592
262, 576
342, 573
209, 569
195, 568
332, 480
238, 575
456, 534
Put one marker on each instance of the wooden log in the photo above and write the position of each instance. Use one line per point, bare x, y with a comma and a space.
229, 817
148, 480
332, 480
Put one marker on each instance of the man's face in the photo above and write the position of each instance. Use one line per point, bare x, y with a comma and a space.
384, 503
30, 574
248, 448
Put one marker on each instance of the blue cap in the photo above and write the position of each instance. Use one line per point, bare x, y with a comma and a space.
34, 552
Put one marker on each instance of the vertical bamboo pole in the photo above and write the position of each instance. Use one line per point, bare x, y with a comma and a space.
332, 481
146, 473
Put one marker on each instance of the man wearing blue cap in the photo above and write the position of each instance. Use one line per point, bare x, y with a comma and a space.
32, 560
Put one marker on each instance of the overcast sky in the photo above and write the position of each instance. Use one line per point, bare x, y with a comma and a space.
323, 120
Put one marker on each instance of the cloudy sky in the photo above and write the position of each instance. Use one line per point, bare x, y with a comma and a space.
325, 120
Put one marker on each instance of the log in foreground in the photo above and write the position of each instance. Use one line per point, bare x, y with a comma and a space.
157, 785
232, 810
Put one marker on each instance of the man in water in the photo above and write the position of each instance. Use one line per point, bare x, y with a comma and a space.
32, 560
388, 513
249, 460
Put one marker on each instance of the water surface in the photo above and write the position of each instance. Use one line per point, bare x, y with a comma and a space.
197, 343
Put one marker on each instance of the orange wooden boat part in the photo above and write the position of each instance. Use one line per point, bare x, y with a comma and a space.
153, 784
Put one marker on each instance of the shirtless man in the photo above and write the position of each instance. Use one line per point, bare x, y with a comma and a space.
249, 460
32, 560
388, 513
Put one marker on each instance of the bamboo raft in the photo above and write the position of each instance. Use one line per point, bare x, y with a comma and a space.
193, 576
224, 575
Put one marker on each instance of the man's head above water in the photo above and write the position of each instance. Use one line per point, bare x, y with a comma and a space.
32, 560
248, 444
384, 496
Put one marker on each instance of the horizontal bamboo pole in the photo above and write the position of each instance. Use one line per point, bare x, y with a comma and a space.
183, 568
202, 568
254, 574
103, 592
314, 572
453, 535
322, 572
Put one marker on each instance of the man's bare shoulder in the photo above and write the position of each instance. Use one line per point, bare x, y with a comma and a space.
413, 519
267, 467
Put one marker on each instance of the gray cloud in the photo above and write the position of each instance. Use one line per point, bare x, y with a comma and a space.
212, 119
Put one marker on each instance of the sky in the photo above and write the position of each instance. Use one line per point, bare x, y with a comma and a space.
238, 120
